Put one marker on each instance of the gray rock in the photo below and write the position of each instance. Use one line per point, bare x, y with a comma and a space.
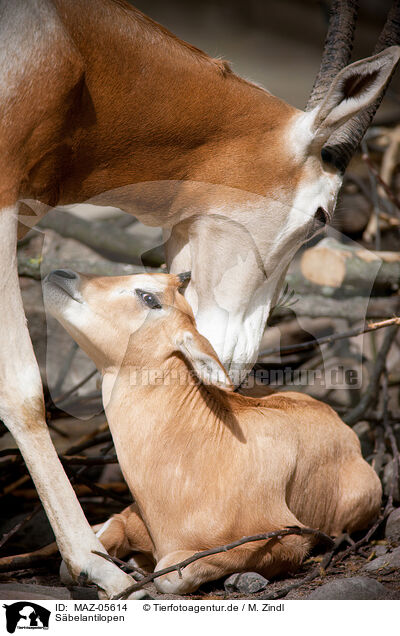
392, 530
356, 588
245, 583
379, 550
27, 592
385, 563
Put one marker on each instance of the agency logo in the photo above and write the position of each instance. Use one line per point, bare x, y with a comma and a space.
26, 615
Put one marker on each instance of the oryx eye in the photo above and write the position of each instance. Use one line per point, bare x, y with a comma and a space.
149, 299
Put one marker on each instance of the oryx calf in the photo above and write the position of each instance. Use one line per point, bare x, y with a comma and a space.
206, 465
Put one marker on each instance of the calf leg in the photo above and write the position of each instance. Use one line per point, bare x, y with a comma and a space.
125, 533
22, 411
269, 559
360, 496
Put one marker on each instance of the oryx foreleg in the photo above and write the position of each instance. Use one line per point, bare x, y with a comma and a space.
22, 411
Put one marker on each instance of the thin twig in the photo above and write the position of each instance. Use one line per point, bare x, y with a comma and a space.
88, 442
389, 192
373, 224
71, 459
67, 394
365, 539
367, 400
64, 369
177, 567
55, 428
351, 333
315, 573
76, 460
81, 490
122, 564
389, 434
24, 562
102, 492
19, 525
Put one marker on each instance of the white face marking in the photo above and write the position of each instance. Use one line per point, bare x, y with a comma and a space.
319, 187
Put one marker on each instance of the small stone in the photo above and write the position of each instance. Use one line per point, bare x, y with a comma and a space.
385, 563
380, 550
356, 588
245, 583
392, 530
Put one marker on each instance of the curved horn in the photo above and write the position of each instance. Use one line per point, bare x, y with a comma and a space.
342, 144
337, 48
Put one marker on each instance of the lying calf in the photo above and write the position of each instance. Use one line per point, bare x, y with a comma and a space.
205, 465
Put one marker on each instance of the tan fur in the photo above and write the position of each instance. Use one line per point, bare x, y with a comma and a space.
99, 102
206, 465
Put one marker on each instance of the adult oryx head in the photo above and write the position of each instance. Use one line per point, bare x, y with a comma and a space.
239, 249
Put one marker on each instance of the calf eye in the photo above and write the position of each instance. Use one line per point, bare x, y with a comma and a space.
149, 299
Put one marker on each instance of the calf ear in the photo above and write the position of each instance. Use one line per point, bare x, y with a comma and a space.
353, 89
202, 357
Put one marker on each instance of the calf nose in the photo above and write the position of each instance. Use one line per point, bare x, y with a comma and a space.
63, 273
67, 280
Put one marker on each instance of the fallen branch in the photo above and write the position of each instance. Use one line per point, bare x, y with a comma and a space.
76, 460
36, 268
357, 308
19, 525
351, 333
64, 368
101, 490
390, 436
24, 562
72, 460
339, 266
389, 192
103, 237
178, 567
77, 386
92, 439
110, 490
370, 395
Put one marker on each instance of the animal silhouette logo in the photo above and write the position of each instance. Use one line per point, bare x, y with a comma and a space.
26, 615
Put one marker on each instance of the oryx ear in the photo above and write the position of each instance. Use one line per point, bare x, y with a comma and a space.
202, 357
353, 89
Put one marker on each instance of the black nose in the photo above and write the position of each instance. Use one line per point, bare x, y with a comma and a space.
66, 280
63, 273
